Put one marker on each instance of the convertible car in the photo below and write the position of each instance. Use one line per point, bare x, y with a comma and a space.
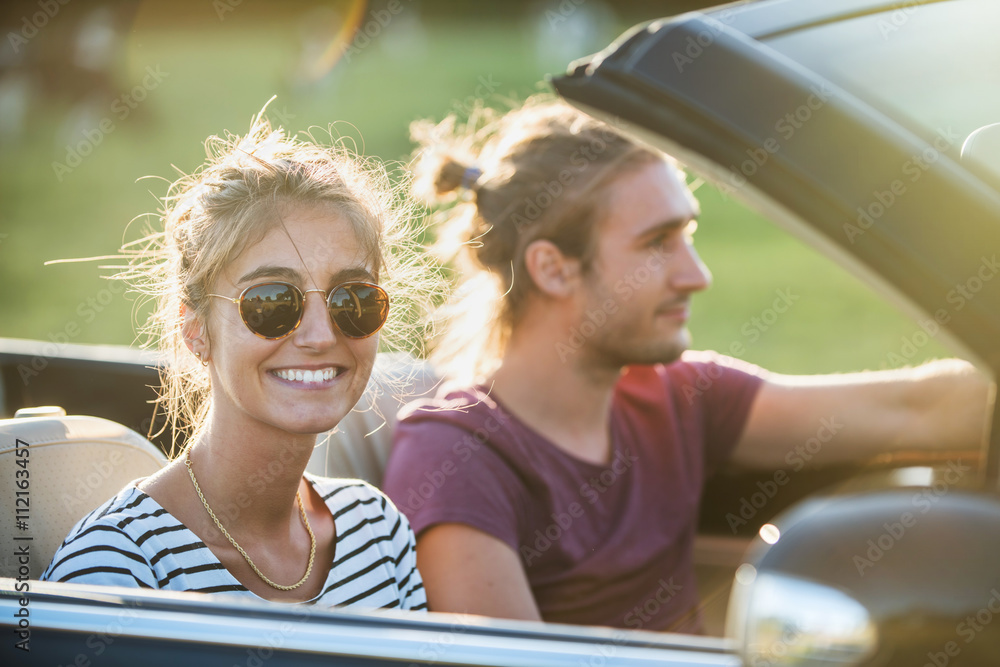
868, 128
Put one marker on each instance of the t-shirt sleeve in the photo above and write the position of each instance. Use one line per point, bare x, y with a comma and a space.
442, 473
723, 390
98, 552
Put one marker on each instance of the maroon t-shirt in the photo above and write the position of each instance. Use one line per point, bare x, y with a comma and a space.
601, 544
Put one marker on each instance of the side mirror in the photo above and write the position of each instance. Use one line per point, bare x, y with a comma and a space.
906, 576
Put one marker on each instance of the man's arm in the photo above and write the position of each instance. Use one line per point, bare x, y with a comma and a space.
470, 572
828, 419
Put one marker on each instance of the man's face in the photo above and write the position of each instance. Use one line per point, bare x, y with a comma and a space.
637, 295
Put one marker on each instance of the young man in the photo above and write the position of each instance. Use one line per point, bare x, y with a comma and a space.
563, 483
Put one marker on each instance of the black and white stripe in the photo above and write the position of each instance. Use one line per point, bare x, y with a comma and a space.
132, 541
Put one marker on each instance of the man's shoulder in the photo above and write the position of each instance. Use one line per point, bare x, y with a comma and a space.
462, 427
691, 364
695, 377
456, 403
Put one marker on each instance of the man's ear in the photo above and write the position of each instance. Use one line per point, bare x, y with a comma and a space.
553, 272
194, 332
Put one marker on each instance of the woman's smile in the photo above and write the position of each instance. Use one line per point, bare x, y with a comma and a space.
309, 376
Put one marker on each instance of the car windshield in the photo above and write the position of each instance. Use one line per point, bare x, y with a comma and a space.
952, 45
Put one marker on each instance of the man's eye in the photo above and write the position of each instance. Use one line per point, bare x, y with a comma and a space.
664, 240
671, 237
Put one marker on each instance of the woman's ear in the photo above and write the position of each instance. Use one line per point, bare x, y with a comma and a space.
553, 272
194, 332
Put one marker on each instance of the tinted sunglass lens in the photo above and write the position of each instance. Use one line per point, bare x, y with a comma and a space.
359, 310
271, 310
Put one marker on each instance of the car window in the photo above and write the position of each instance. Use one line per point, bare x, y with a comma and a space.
952, 45
783, 305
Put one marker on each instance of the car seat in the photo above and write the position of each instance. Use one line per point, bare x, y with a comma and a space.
71, 465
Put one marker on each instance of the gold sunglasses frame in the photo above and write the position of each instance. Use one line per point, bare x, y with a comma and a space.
326, 297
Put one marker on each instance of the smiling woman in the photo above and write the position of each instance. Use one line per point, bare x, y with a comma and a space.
299, 237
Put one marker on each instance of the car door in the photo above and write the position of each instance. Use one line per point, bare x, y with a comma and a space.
859, 126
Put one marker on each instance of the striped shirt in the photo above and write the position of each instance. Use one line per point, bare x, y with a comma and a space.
132, 541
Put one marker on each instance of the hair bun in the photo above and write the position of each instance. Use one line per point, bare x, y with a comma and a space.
445, 162
453, 175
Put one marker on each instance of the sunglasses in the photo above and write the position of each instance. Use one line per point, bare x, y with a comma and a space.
274, 310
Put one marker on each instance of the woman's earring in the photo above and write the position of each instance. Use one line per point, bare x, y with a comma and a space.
203, 362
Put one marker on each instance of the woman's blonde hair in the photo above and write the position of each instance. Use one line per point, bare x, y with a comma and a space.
500, 182
211, 216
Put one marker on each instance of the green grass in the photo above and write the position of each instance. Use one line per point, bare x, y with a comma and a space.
836, 323
220, 74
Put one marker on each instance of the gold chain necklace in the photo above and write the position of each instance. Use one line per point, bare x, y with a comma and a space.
305, 520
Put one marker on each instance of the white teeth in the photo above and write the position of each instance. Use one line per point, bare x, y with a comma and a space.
307, 376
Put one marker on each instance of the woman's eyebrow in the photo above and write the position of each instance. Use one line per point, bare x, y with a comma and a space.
271, 271
356, 273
